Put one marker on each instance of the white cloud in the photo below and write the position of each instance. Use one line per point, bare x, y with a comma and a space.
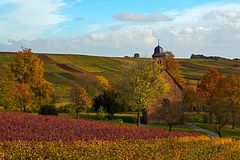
28, 19
137, 17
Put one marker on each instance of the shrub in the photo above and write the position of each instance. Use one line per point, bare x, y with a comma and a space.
48, 110
111, 103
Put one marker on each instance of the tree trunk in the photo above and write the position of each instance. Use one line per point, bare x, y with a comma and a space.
233, 119
24, 106
170, 127
210, 118
138, 118
219, 131
77, 115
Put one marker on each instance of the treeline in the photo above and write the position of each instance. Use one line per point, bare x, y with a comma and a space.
201, 56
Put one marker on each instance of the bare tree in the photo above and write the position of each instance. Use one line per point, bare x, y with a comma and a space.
170, 112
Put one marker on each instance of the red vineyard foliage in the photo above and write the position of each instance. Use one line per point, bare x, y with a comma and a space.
27, 127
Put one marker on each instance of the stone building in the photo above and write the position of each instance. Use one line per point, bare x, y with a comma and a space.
173, 97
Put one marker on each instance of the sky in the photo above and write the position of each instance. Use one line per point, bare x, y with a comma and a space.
121, 27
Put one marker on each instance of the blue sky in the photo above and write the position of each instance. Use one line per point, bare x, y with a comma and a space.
119, 28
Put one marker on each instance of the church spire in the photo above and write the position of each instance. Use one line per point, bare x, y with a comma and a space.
158, 41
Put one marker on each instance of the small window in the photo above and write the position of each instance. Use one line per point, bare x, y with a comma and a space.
161, 50
160, 62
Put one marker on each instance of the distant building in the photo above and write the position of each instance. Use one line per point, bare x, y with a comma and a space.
136, 55
174, 97
159, 55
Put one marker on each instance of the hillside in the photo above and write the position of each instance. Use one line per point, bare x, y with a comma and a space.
62, 70
194, 69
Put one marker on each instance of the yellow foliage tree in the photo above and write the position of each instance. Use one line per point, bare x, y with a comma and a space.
190, 99
103, 83
142, 82
7, 87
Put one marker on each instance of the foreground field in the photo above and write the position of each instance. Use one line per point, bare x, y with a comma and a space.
167, 148
19, 126
28, 136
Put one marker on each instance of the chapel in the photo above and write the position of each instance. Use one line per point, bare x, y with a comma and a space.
173, 97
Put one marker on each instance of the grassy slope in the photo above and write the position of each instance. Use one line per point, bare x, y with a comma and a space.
194, 69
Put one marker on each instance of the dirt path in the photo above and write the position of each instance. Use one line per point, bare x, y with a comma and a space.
199, 129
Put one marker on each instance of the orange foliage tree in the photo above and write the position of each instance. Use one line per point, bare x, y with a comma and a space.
206, 89
27, 70
220, 96
80, 99
172, 66
228, 93
23, 96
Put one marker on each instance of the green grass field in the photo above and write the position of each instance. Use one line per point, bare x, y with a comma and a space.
128, 119
227, 131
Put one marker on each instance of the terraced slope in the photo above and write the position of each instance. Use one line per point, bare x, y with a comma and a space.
194, 69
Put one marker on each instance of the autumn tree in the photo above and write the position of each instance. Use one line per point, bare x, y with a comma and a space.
23, 96
27, 70
227, 93
206, 89
142, 82
232, 86
190, 98
220, 112
80, 99
171, 113
220, 96
219, 108
7, 88
172, 66
103, 83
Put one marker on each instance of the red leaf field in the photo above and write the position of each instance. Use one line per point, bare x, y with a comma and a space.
28, 127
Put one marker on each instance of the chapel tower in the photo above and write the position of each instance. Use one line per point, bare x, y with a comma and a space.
159, 55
